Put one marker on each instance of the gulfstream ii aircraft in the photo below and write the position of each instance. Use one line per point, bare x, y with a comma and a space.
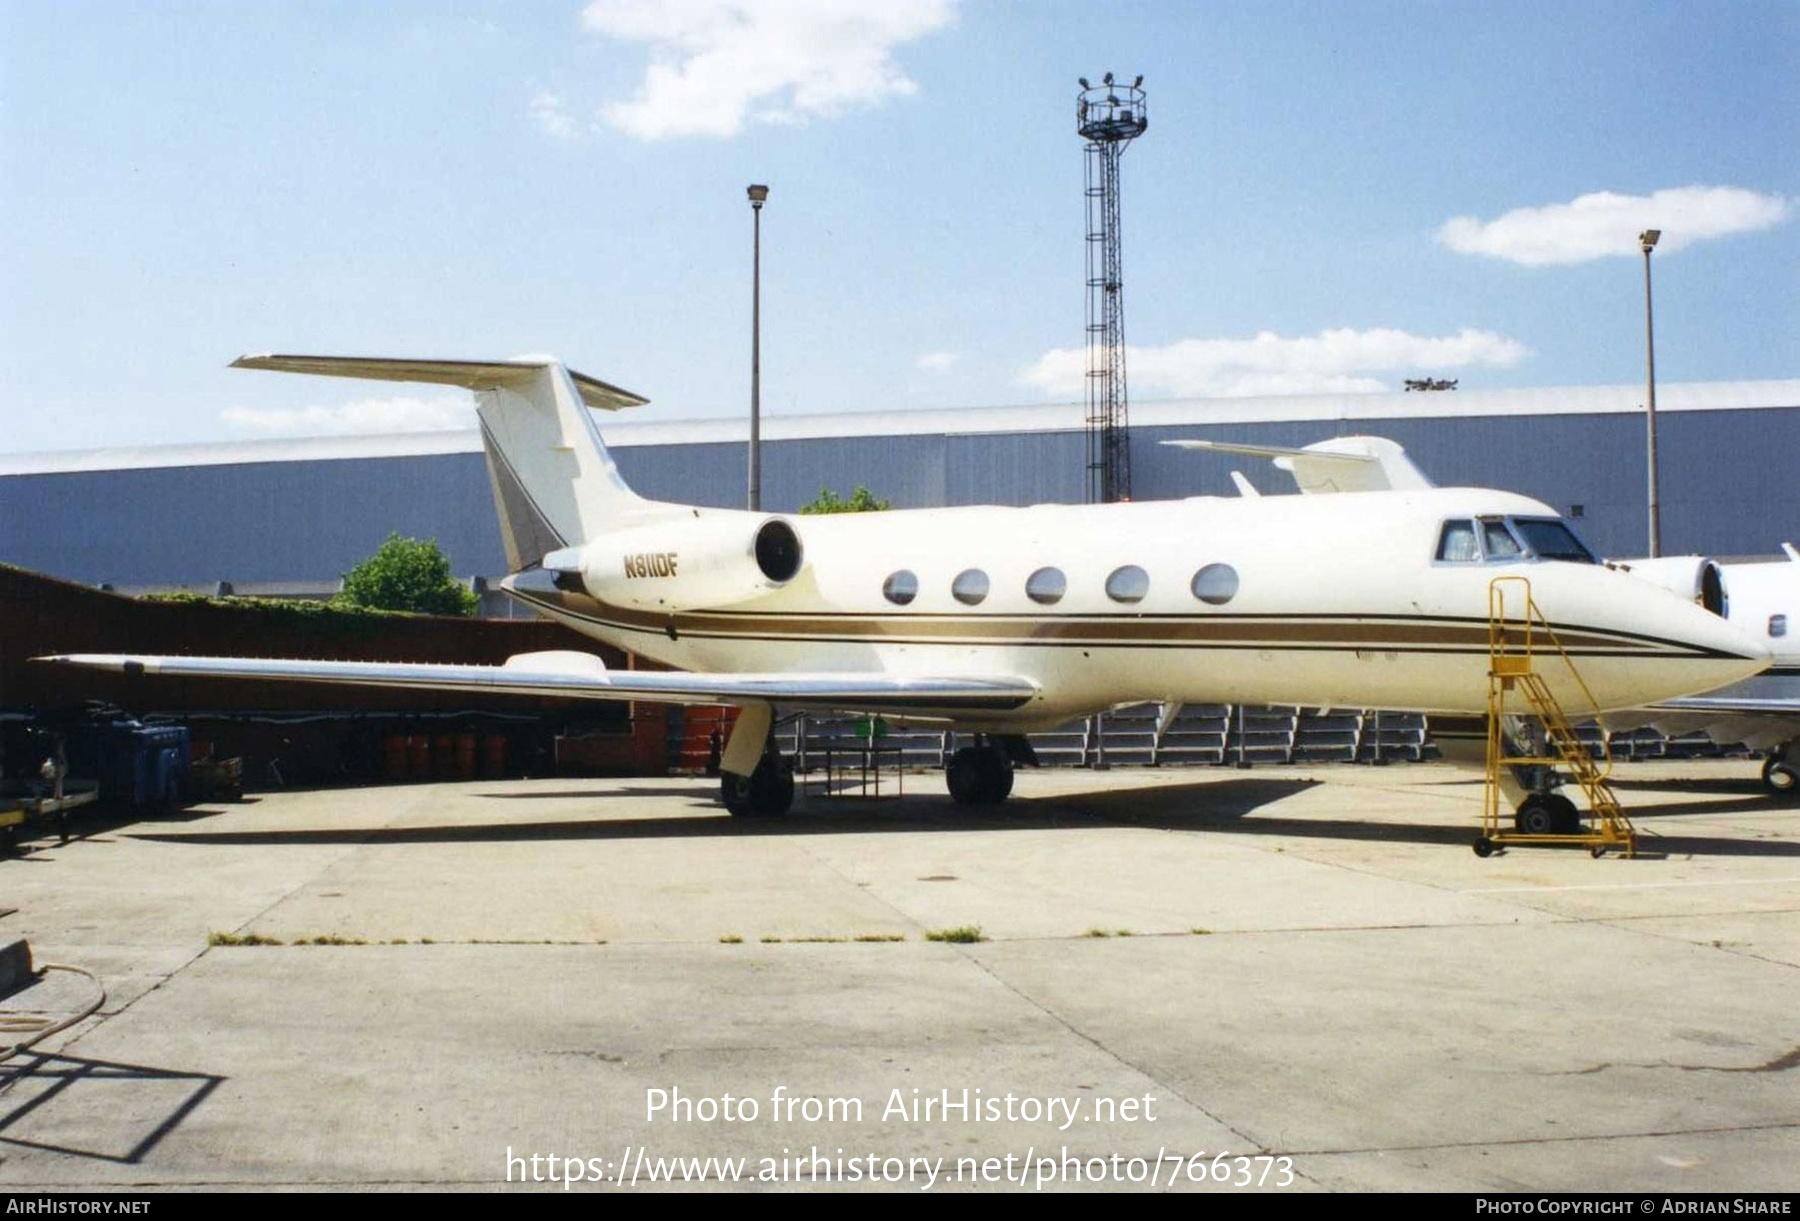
996, 620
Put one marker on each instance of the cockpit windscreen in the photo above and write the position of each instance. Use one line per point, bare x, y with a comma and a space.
1503, 540
1550, 539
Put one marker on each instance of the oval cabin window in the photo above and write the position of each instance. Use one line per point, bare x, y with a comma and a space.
900, 588
1216, 584
1046, 586
970, 586
1128, 584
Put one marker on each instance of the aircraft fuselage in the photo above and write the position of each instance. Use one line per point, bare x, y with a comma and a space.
1334, 601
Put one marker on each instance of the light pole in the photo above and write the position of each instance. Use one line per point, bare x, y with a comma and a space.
1647, 243
758, 193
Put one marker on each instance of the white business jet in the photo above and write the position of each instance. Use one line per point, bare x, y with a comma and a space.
1762, 712
998, 621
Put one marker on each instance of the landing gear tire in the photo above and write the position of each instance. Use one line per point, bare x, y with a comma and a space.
1484, 847
979, 775
764, 793
1547, 814
1778, 777
1003, 778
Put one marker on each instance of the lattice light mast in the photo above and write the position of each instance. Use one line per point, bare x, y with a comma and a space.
1109, 116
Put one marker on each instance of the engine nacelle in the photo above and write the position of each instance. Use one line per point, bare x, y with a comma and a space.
1693, 577
691, 563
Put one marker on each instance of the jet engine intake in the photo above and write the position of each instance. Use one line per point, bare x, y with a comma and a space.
692, 563
1694, 577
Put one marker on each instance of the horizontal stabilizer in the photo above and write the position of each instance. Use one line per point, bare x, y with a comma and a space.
580, 676
470, 374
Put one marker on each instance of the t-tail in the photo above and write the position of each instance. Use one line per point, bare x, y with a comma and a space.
555, 486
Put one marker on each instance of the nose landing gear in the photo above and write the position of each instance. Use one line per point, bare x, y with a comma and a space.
1547, 814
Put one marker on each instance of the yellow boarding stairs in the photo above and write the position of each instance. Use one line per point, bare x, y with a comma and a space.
1519, 643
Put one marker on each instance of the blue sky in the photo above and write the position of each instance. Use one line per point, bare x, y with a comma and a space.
1330, 196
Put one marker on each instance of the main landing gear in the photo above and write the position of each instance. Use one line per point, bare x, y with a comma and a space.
1779, 775
754, 780
764, 793
761, 784
981, 775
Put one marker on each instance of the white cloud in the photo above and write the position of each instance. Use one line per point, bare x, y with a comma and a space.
1604, 223
364, 416
937, 362
1336, 361
717, 64
553, 117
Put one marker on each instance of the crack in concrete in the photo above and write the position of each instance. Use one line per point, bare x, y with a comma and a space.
1517, 1142
1780, 1064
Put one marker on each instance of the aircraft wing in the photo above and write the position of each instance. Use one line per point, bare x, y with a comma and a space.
1761, 712
585, 676
1729, 706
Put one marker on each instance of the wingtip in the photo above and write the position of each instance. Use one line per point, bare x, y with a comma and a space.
95, 661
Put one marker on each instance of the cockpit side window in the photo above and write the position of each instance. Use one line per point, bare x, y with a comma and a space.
1457, 545
1499, 542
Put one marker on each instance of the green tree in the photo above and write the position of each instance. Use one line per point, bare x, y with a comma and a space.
861, 501
407, 574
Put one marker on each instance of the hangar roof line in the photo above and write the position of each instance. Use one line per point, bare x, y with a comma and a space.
1044, 417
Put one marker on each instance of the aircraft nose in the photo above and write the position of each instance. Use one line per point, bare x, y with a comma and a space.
1715, 652
1650, 646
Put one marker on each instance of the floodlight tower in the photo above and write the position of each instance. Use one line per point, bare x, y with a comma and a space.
1109, 117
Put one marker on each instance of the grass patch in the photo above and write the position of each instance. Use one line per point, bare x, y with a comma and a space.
881, 937
1096, 932
731, 939
216, 938
1201, 932
770, 940
964, 934
330, 939
1124, 932
817, 940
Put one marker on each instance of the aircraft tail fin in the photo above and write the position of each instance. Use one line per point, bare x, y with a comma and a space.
554, 483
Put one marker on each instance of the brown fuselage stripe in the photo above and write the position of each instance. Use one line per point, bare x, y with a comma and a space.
1333, 633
